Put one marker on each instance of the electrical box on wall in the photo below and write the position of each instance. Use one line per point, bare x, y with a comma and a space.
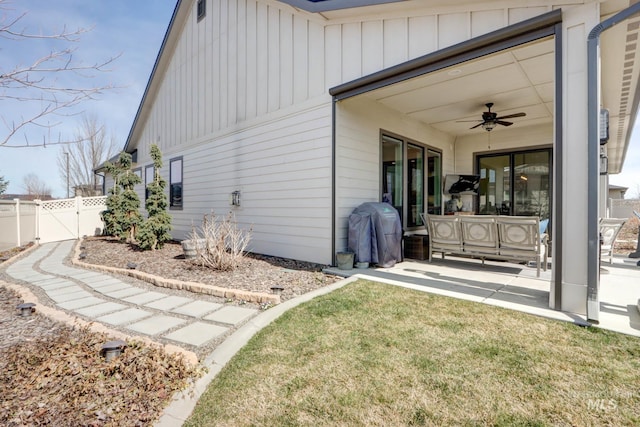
604, 126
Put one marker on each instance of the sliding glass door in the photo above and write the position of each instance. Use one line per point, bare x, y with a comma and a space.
516, 183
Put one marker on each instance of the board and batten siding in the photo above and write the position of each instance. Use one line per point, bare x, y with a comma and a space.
242, 95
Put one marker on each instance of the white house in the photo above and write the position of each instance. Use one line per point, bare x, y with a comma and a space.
298, 111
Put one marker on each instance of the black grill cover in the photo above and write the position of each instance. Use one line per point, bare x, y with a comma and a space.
375, 234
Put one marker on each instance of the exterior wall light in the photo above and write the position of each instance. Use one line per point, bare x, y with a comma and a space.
235, 198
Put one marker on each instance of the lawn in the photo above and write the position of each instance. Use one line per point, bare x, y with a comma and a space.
375, 354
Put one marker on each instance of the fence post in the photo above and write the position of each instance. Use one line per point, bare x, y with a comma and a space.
78, 206
37, 202
17, 210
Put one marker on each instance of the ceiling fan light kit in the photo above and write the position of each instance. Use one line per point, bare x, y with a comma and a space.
490, 119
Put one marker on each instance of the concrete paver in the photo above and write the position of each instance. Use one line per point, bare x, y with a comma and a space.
168, 303
80, 303
197, 308
70, 296
100, 309
144, 297
156, 324
197, 333
125, 316
231, 315
123, 293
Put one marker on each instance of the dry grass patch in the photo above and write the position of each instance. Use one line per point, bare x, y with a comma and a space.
373, 354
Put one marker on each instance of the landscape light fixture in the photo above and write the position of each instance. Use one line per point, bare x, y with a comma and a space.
112, 349
277, 289
26, 309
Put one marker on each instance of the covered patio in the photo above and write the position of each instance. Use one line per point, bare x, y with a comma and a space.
512, 108
515, 287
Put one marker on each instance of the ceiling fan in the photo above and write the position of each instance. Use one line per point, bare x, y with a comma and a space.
491, 119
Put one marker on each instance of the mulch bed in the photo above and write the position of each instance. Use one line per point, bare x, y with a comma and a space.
256, 273
53, 374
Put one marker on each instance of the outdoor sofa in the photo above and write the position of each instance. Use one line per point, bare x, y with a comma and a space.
517, 238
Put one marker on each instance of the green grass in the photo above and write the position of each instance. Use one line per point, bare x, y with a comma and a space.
372, 354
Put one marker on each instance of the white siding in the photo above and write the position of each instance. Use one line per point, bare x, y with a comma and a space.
243, 96
358, 126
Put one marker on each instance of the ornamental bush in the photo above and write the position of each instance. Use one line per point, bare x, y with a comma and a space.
154, 232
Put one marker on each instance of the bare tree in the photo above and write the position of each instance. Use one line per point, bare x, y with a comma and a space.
34, 186
78, 161
3, 184
47, 88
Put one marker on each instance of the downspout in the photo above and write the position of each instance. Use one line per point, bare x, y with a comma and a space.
593, 115
333, 181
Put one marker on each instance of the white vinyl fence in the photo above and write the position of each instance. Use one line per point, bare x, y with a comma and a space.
49, 221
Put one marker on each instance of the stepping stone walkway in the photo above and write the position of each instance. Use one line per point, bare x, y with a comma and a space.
106, 299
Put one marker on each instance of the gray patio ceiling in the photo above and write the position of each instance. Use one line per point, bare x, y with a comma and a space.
520, 79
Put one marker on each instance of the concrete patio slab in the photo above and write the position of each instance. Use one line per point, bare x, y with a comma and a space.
197, 308
156, 325
197, 333
231, 315
125, 316
63, 291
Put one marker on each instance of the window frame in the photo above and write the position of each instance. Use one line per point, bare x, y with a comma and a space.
173, 181
146, 181
201, 9
426, 148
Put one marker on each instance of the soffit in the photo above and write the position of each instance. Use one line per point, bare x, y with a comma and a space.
452, 100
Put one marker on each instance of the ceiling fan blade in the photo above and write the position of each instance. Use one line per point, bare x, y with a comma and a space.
468, 121
503, 123
478, 125
511, 116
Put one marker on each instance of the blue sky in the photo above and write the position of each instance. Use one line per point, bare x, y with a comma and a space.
133, 29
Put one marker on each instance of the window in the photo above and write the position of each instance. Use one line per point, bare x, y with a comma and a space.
405, 179
201, 9
149, 173
175, 183
138, 172
517, 183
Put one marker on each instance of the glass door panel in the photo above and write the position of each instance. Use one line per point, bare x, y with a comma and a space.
392, 174
495, 185
415, 182
434, 183
531, 183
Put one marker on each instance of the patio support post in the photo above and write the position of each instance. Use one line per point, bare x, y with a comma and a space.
593, 94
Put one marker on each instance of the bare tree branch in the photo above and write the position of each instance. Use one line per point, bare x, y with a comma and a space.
50, 88
34, 186
95, 148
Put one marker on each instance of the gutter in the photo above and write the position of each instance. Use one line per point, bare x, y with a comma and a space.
593, 147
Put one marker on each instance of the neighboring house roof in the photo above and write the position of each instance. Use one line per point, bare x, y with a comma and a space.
617, 187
